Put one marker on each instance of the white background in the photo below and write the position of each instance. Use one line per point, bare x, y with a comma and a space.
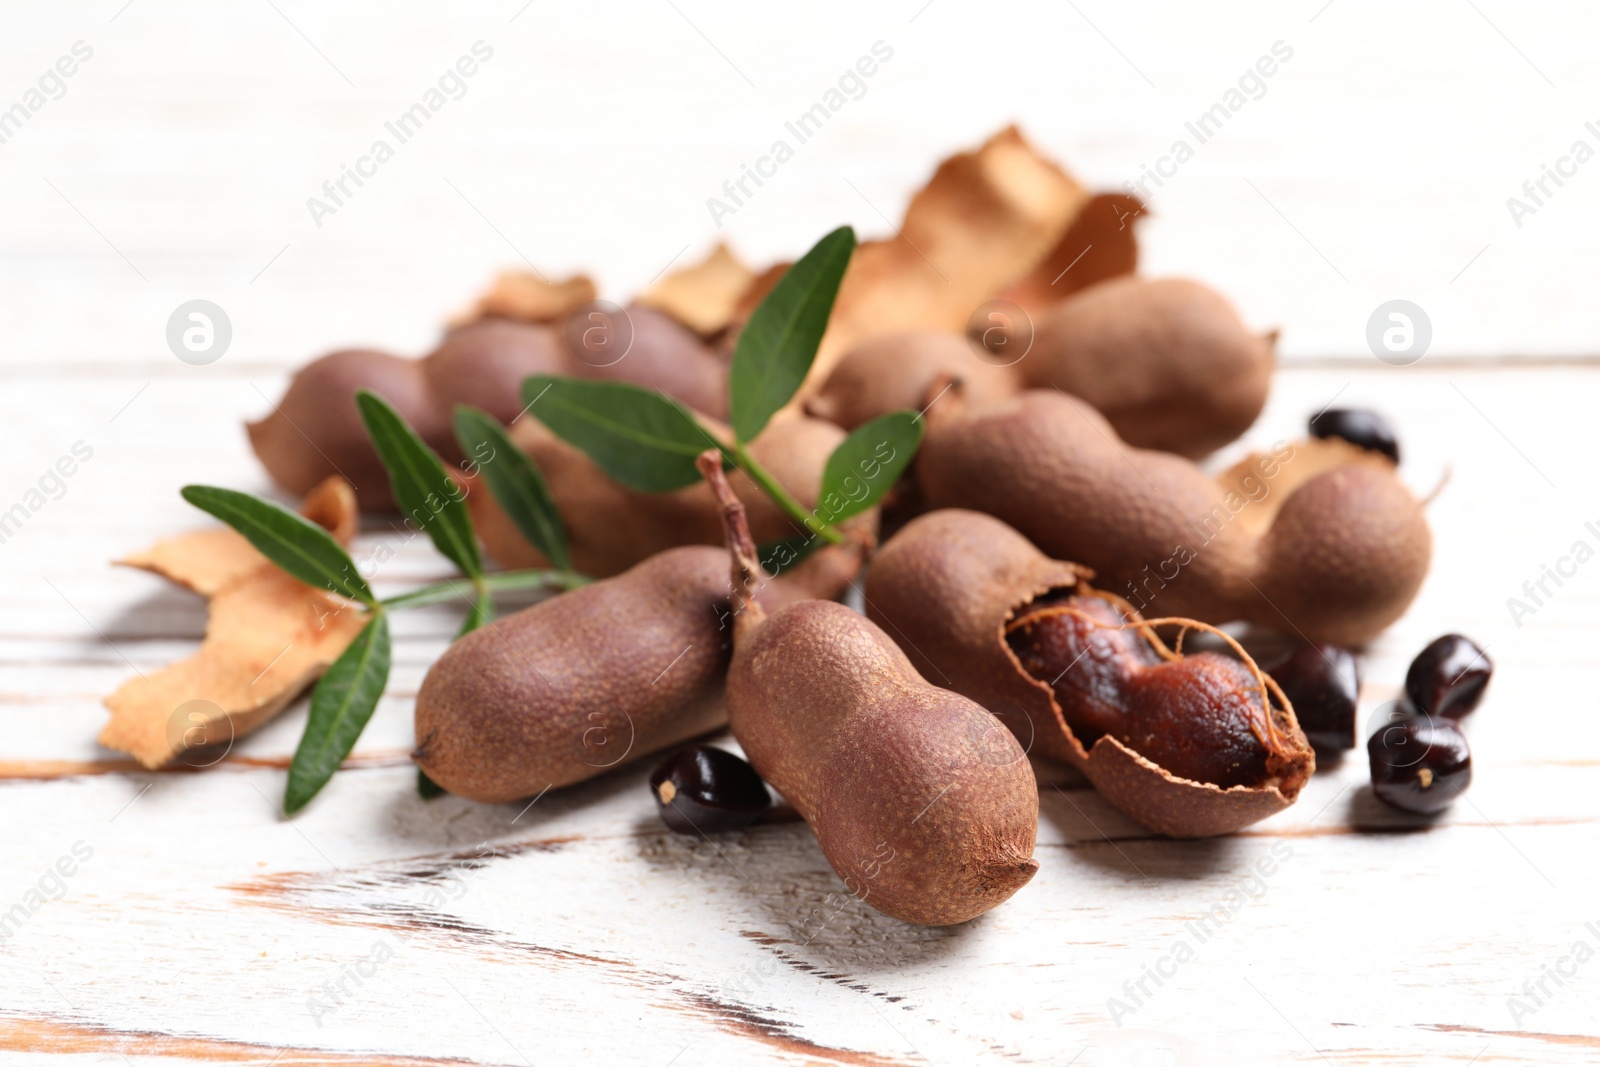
1390, 141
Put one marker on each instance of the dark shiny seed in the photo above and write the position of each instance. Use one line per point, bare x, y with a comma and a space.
704, 790
1322, 683
1420, 763
1448, 677
1360, 426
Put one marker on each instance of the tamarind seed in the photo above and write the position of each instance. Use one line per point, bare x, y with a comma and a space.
1448, 677
1419, 763
708, 790
1322, 682
1192, 717
1360, 426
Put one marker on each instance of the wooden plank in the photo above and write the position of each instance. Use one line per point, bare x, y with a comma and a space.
204, 926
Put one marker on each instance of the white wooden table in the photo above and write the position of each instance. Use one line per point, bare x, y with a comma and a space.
376, 928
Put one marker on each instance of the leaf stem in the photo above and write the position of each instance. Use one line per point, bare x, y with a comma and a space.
769, 485
456, 589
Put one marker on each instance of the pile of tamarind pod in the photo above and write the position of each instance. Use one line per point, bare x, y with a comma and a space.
1318, 538
1167, 361
1189, 745
315, 431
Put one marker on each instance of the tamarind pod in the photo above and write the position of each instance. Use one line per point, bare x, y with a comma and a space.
595, 678
951, 584
919, 799
315, 430
1167, 361
1319, 538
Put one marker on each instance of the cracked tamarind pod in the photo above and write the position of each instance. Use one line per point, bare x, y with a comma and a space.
315, 430
611, 527
1189, 745
1320, 538
919, 798
595, 678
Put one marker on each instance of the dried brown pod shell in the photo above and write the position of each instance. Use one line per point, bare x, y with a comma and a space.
705, 297
1098, 244
527, 296
595, 678
1319, 538
919, 799
268, 637
953, 584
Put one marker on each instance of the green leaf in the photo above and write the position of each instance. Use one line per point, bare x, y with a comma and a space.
640, 438
426, 493
482, 612
341, 704
779, 342
427, 788
514, 481
295, 543
867, 464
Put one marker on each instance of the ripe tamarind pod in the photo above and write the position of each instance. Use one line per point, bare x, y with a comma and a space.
594, 678
315, 431
611, 527
1319, 537
1187, 745
919, 798
663, 355
896, 372
1167, 361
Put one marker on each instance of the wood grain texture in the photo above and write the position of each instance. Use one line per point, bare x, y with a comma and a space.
204, 926
374, 928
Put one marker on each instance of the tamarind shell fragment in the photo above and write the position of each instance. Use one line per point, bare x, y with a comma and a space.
595, 678
1317, 537
947, 587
